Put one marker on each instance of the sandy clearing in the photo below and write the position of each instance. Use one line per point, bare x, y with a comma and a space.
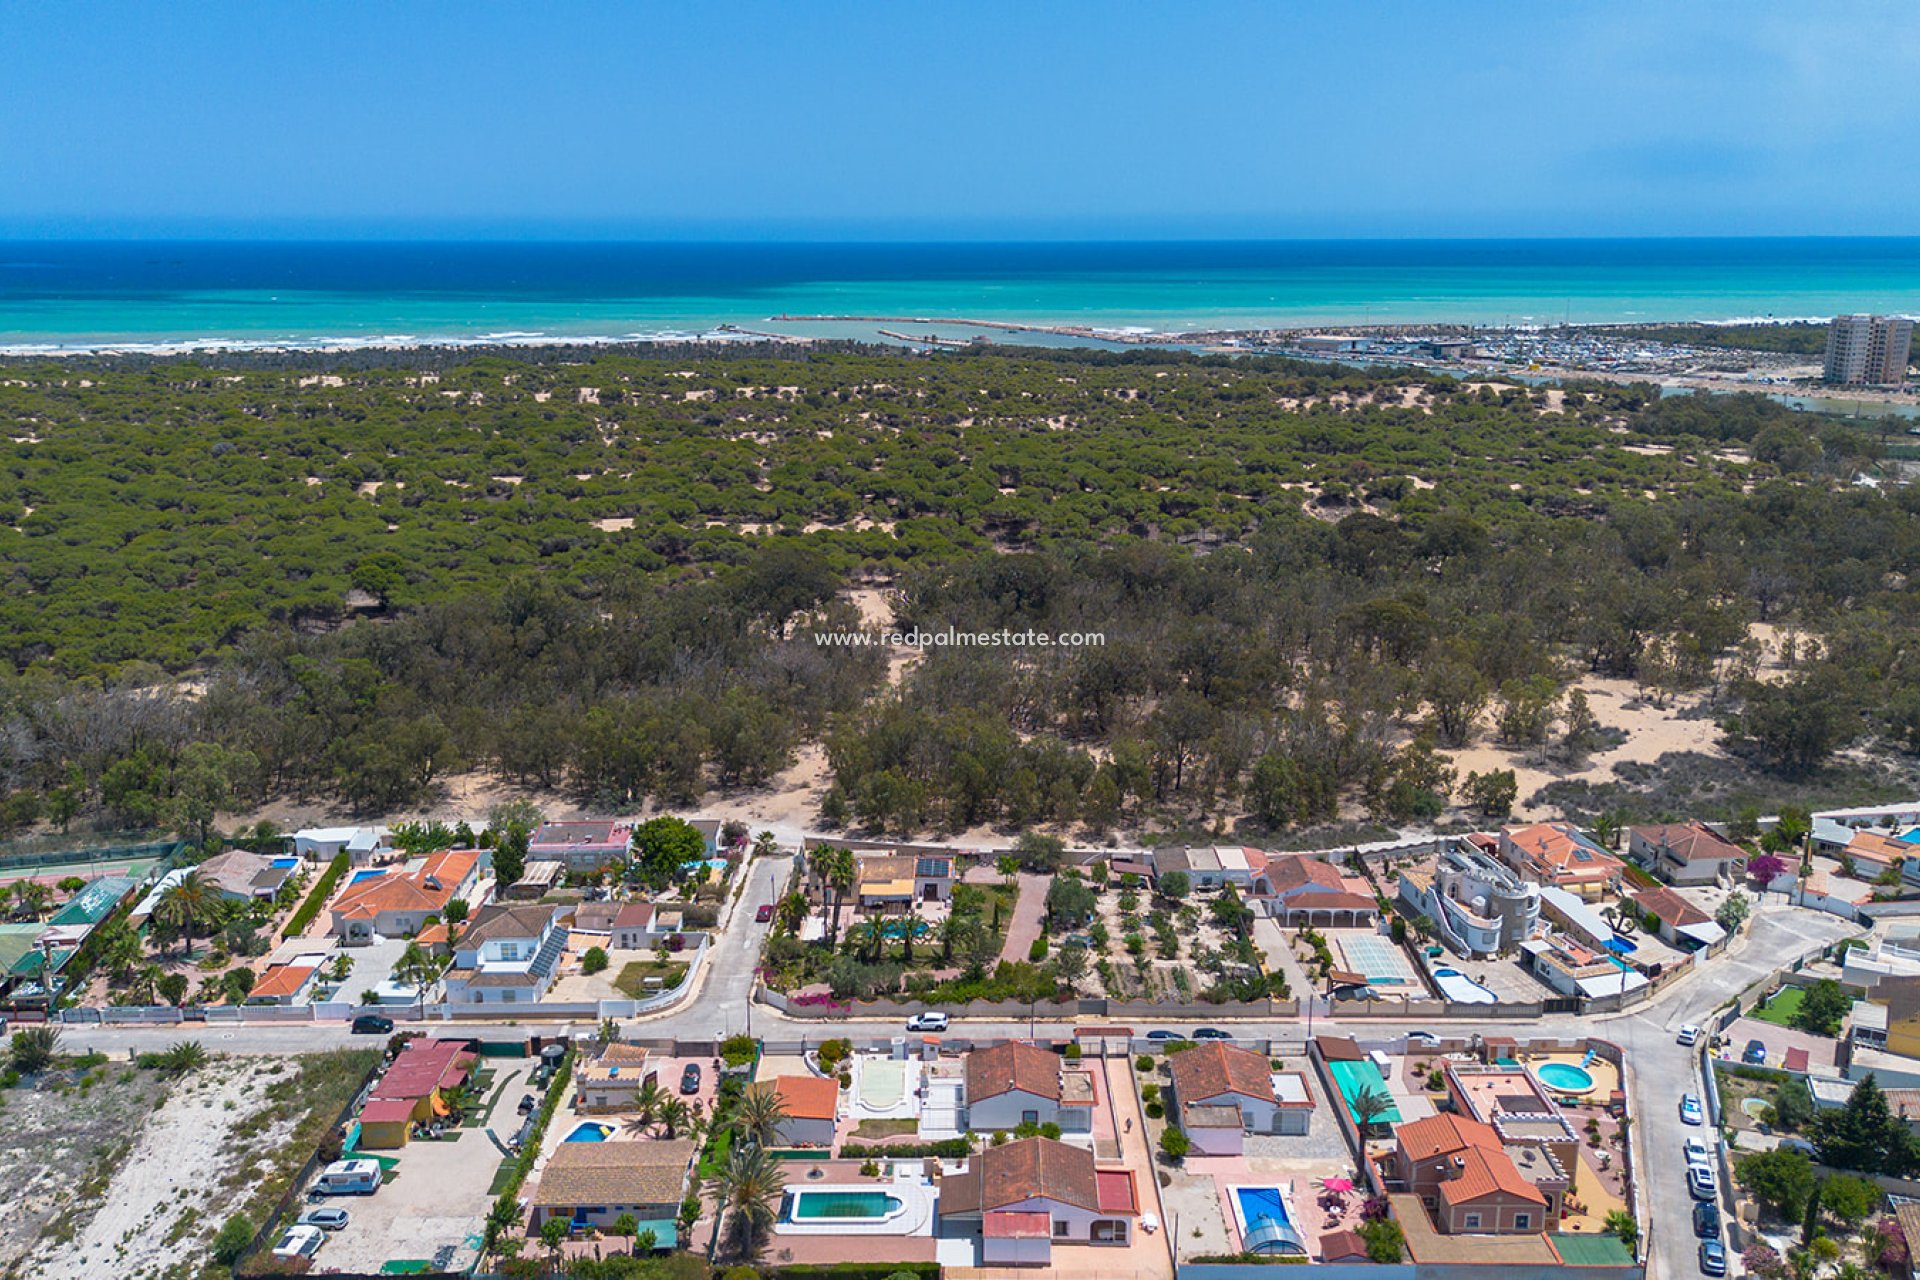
1651, 732
128, 1236
613, 524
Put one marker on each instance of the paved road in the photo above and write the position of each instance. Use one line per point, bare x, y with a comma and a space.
1660, 1070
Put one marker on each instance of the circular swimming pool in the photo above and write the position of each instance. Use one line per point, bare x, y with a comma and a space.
1565, 1077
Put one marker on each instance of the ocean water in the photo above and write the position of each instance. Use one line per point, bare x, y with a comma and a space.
80, 295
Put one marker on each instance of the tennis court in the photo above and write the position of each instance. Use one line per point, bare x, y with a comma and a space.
1384, 963
106, 865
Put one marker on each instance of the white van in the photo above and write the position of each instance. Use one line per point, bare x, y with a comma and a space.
349, 1178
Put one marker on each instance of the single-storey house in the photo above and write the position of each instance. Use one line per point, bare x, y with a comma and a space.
360, 844
1686, 853
396, 904
894, 882
590, 1184
1210, 866
610, 1080
582, 846
636, 926
1213, 1076
1298, 890
1465, 1177
811, 1104
413, 1091
1018, 1083
1027, 1196
286, 984
508, 954
1555, 853
1681, 923
243, 876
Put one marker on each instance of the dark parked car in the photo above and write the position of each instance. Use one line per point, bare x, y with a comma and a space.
764, 913
1211, 1033
1706, 1220
1755, 1052
1164, 1035
372, 1024
690, 1078
528, 1104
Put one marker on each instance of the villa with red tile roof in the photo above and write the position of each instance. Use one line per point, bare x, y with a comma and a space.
1298, 890
1686, 853
1471, 1182
285, 983
1681, 922
1221, 1092
1555, 853
396, 904
811, 1104
1030, 1195
1020, 1083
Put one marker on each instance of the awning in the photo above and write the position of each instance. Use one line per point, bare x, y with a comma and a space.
1706, 933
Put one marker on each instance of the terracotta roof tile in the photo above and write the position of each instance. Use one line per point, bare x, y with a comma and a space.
1212, 1069
1016, 1064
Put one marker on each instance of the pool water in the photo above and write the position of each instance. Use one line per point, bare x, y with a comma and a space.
370, 874
1262, 1202
810, 1206
1565, 1077
591, 1133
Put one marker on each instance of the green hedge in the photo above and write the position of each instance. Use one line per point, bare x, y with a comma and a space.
945, 1149
322, 890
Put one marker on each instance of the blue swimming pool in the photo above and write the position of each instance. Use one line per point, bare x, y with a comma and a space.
590, 1133
1265, 1225
286, 862
370, 873
1565, 1077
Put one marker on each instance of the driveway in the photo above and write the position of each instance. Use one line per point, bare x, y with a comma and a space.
721, 1006
1027, 915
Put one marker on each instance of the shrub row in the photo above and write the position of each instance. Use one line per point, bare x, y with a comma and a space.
322, 890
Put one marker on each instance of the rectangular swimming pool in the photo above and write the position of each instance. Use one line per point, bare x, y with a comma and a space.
843, 1205
1265, 1225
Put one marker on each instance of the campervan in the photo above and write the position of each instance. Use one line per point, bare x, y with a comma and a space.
349, 1178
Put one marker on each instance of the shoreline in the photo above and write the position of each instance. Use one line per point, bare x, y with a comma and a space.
1211, 341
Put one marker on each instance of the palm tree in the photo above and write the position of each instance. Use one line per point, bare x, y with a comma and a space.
194, 902
748, 1186
673, 1116
758, 1115
766, 844
417, 968
647, 1100
33, 898
1368, 1106
146, 981
863, 939
838, 869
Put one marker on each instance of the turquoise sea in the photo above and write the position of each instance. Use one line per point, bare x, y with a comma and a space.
80, 295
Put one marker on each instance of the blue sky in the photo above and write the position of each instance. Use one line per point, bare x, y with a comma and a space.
813, 119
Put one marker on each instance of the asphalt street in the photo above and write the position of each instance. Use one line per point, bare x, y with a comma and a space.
1660, 1070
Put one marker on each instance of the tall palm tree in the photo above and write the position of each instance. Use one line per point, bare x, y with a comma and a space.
757, 1116
673, 1117
146, 981
189, 905
647, 1100
839, 871
865, 938
417, 968
748, 1187
1369, 1105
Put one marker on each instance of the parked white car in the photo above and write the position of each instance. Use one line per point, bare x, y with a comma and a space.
934, 1021
1689, 1034
1690, 1109
1698, 1152
1702, 1182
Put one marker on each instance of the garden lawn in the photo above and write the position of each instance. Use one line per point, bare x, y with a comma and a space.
1781, 1008
632, 976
